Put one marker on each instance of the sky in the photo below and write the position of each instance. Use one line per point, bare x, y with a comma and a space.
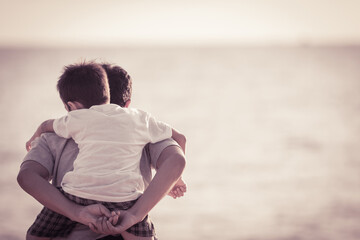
162, 22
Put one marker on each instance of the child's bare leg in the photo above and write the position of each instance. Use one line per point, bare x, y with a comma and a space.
129, 236
31, 237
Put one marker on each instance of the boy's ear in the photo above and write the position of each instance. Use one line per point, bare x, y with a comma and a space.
127, 103
74, 105
67, 107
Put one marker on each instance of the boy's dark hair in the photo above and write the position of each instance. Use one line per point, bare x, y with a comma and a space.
85, 83
120, 84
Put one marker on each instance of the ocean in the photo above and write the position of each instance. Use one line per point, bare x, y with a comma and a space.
273, 135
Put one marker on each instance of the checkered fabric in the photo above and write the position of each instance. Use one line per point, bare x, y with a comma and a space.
51, 224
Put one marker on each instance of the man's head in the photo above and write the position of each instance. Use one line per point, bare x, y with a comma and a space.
85, 83
120, 84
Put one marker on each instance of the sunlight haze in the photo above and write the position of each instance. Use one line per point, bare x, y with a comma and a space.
116, 23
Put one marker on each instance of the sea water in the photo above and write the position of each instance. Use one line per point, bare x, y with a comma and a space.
273, 135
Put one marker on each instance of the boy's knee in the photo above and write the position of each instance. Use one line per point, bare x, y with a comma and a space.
178, 158
174, 155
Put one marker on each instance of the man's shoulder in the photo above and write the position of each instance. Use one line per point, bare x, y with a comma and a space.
49, 143
53, 139
55, 153
56, 144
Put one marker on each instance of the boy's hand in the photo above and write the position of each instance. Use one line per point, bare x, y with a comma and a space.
178, 190
28, 143
46, 126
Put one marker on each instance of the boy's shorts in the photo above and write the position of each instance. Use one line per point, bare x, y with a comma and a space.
51, 224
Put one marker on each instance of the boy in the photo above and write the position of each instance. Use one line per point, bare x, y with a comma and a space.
85, 93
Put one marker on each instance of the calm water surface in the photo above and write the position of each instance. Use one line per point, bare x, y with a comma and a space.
273, 136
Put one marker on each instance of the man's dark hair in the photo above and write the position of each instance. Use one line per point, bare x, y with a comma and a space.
85, 83
120, 84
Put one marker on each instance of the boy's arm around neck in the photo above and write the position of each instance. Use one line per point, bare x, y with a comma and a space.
46, 126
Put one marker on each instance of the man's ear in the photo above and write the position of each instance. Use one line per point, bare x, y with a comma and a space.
127, 103
74, 105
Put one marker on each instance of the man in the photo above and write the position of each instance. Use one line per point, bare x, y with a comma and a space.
51, 157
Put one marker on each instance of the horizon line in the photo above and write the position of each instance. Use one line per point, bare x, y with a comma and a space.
180, 45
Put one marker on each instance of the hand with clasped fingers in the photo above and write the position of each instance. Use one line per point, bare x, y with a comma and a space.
90, 214
121, 220
116, 224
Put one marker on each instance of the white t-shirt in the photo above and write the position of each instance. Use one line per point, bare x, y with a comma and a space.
110, 140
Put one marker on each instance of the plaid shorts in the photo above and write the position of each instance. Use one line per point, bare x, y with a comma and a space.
51, 224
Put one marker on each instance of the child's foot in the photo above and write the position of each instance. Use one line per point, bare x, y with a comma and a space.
178, 190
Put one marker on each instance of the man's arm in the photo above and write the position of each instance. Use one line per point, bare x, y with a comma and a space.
33, 178
171, 164
46, 126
